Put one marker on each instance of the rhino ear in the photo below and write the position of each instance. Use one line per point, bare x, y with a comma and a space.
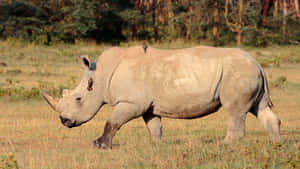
85, 61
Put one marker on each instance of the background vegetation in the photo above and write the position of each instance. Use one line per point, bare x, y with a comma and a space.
222, 22
31, 135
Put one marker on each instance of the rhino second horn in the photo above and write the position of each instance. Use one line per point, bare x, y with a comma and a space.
51, 101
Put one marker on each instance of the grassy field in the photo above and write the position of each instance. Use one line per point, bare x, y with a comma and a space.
31, 135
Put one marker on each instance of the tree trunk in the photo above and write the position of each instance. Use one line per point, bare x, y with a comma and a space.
297, 9
216, 31
265, 11
275, 11
155, 30
239, 37
216, 21
226, 10
241, 13
171, 26
133, 31
284, 17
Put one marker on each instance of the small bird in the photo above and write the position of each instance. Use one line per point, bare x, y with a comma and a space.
145, 47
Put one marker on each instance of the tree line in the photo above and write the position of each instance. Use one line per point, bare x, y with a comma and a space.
255, 22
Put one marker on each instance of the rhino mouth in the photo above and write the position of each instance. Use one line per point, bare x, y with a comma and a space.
68, 123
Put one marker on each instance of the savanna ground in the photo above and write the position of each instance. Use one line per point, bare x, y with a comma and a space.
31, 135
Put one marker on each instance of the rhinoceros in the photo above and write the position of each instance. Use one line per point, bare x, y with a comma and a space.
179, 83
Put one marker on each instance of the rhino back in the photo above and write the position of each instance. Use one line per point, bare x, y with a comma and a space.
174, 80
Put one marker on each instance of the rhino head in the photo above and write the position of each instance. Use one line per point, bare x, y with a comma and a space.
81, 104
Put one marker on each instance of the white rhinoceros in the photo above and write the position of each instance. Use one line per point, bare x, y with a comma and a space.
181, 83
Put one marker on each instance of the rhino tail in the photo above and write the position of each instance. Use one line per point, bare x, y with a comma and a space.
266, 96
270, 103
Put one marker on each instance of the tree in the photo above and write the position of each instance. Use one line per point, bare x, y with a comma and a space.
236, 23
79, 18
21, 19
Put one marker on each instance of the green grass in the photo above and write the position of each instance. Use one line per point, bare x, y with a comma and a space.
32, 136
274, 56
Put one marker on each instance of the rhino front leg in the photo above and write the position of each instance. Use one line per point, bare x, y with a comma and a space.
154, 126
122, 113
105, 141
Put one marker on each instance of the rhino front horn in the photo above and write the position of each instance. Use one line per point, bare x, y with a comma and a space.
51, 101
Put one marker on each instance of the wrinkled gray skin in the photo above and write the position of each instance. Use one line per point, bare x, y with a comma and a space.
182, 83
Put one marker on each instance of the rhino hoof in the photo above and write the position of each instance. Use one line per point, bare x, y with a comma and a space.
101, 145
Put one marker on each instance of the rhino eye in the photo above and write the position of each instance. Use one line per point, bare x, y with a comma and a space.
90, 84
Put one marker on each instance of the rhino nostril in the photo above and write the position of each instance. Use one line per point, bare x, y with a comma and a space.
78, 99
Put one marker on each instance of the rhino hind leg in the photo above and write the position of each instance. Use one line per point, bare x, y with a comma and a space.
270, 122
237, 108
236, 126
122, 113
154, 126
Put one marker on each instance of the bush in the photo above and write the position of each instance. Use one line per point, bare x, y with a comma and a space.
280, 82
9, 162
21, 93
225, 37
254, 37
279, 39
21, 20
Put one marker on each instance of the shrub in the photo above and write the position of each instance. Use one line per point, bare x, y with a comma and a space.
253, 37
280, 82
9, 162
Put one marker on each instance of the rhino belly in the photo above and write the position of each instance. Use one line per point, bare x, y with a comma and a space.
189, 112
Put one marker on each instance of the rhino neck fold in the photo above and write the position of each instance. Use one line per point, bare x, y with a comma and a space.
109, 73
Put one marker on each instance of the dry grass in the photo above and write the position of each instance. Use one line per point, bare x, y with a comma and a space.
32, 132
